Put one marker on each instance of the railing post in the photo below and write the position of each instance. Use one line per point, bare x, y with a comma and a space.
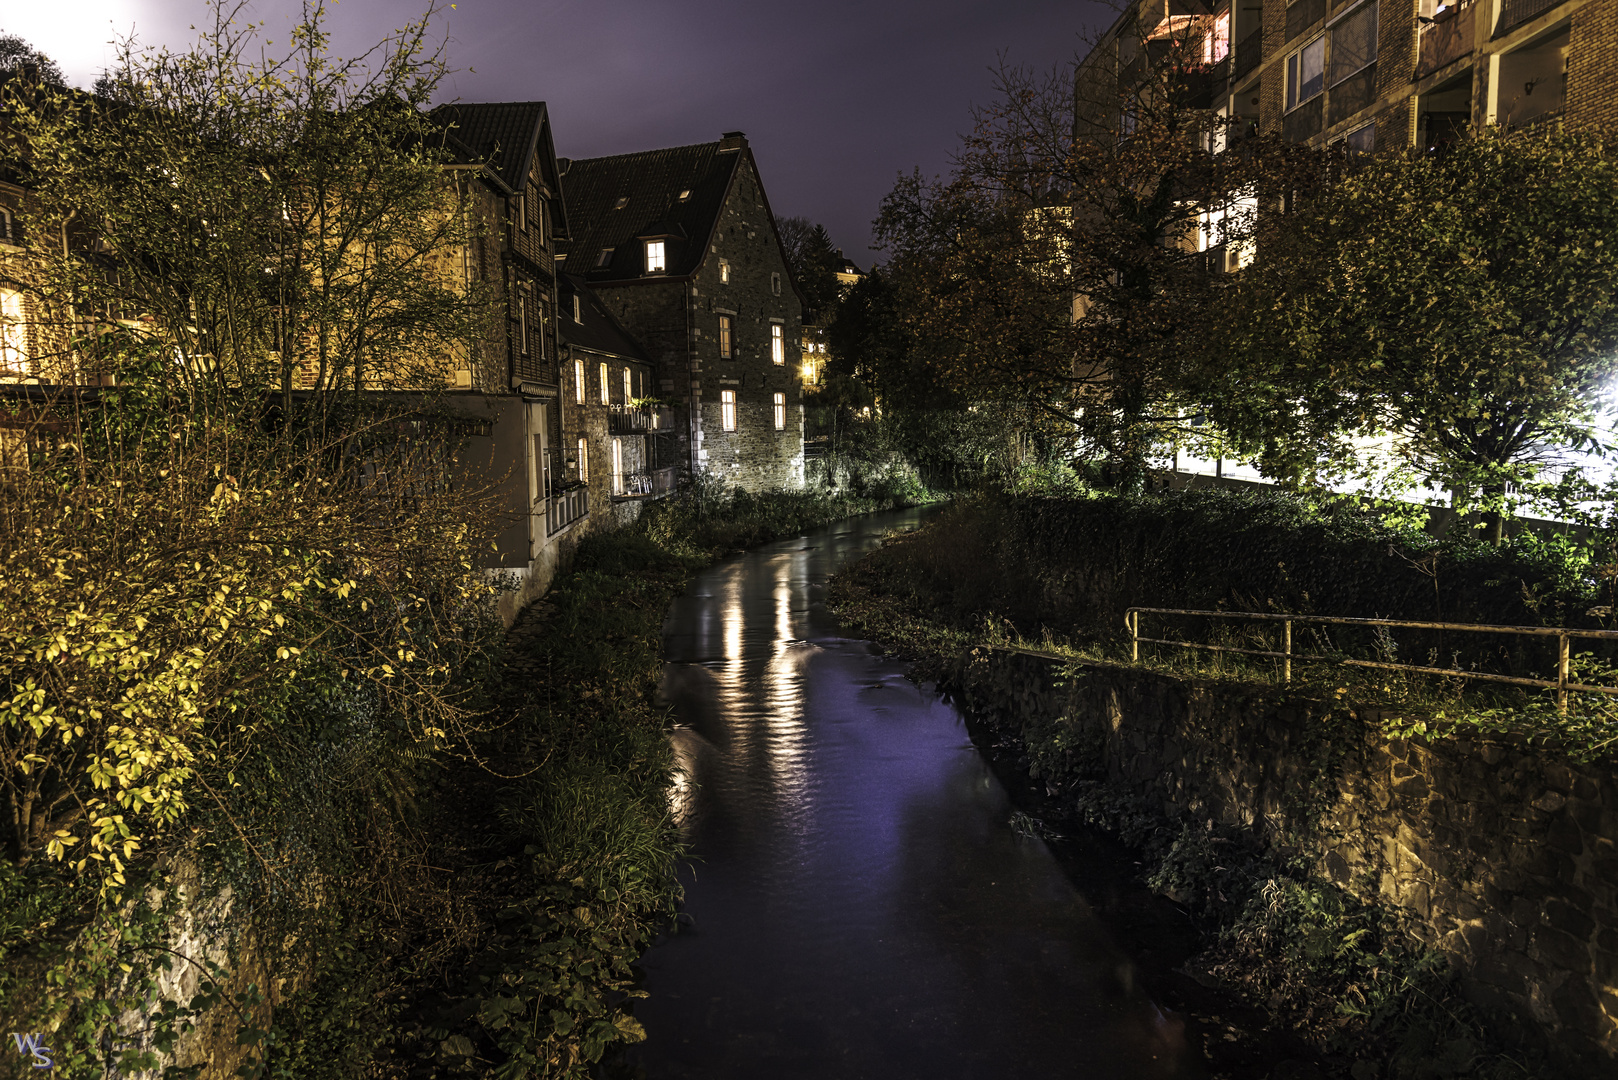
1286, 647
1561, 673
1134, 637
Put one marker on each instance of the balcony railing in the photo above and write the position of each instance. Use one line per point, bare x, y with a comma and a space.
650, 484
1248, 52
566, 507
1446, 41
630, 420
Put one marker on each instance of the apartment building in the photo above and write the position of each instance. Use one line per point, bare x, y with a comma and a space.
1378, 75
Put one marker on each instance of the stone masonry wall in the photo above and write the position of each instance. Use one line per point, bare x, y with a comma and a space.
1503, 852
677, 322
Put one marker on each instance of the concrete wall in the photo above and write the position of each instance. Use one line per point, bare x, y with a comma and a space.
1504, 853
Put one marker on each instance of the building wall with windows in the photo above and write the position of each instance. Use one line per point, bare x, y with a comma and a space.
721, 318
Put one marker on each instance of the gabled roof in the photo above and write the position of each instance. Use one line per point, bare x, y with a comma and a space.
599, 331
614, 202
505, 137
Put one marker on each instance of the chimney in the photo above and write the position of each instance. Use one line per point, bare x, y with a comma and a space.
732, 140
562, 165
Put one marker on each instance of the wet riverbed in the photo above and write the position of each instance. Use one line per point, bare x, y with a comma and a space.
858, 903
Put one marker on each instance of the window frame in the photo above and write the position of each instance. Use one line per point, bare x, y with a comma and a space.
1293, 66
724, 271
584, 460
778, 344
657, 257
779, 401
604, 260
775, 283
727, 410
1376, 42
606, 384
617, 465
522, 322
726, 337
578, 380
629, 385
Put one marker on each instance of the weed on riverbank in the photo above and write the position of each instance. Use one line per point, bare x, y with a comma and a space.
1348, 976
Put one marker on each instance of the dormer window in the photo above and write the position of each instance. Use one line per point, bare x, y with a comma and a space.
685, 193
578, 316
623, 201
656, 260
604, 260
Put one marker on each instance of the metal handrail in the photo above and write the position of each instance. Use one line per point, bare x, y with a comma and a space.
1562, 634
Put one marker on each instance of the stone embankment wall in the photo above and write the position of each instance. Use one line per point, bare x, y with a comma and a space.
1504, 853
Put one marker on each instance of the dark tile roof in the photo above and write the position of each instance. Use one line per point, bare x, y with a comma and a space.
505, 136
501, 133
599, 330
649, 185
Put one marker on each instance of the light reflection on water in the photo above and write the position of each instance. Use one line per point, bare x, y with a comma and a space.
860, 906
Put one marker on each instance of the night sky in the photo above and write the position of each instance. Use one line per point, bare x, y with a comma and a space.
836, 97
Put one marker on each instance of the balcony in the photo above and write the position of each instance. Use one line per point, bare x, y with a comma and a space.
566, 507
650, 484
1449, 38
632, 420
1248, 53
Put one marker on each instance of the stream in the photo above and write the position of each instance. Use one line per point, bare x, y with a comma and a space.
857, 901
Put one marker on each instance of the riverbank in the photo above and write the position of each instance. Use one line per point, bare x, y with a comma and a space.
558, 844
1346, 978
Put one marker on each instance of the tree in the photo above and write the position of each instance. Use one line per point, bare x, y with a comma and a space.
18, 58
1465, 304
1060, 266
813, 262
233, 532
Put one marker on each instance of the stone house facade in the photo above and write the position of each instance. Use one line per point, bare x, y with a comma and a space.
682, 248
616, 441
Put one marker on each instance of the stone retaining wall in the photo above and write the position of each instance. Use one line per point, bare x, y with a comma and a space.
1503, 852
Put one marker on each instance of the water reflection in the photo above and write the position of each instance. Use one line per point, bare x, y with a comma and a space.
860, 904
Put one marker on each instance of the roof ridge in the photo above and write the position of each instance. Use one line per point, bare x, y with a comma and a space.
639, 153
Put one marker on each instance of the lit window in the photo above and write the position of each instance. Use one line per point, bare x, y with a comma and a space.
775, 284
724, 335
604, 260
780, 412
629, 385
778, 344
724, 271
655, 262
578, 382
605, 394
727, 410
13, 342
1306, 73
522, 324
617, 466
584, 460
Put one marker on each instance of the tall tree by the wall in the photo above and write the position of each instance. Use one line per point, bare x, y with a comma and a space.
222, 559
1057, 266
18, 58
814, 261
1466, 305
